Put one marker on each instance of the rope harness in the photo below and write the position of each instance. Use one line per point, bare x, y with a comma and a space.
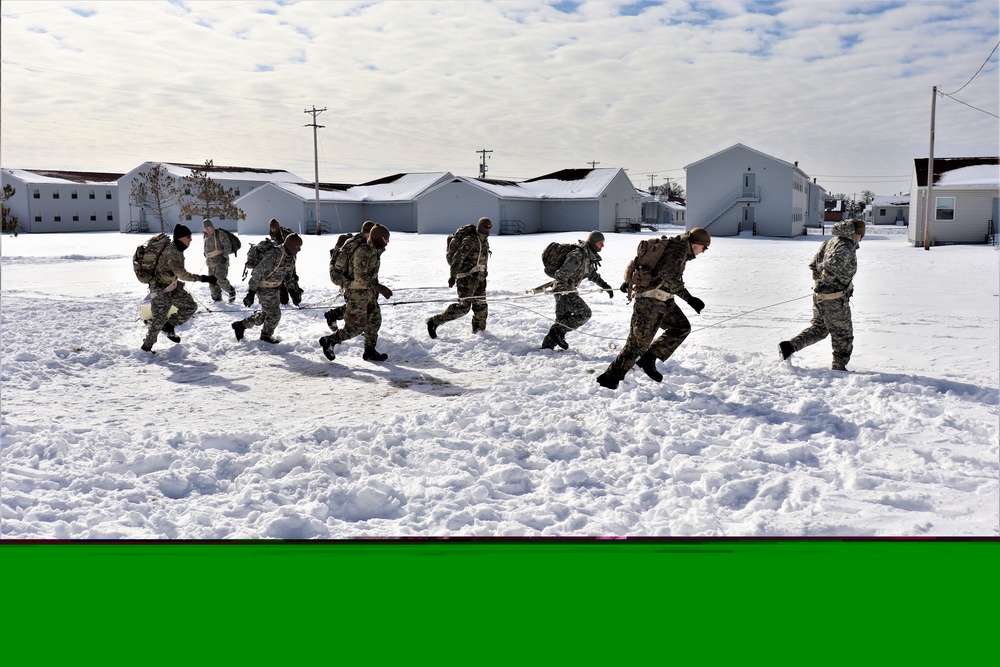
506, 301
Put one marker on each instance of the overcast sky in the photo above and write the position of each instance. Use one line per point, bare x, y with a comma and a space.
842, 87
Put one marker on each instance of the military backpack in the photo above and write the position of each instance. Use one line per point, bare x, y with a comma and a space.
342, 256
147, 256
233, 239
640, 272
455, 242
554, 255
256, 253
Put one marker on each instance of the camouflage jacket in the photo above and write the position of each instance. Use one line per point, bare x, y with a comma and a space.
670, 270
170, 267
474, 251
580, 262
217, 244
836, 261
366, 261
276, 268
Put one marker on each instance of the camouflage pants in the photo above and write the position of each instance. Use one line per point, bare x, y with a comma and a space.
572, 312
160, 311
270, 311
830, 318
362, 315
649, 315
219, 267
472, 295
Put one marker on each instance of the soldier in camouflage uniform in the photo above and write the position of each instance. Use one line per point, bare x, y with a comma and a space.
363, 315
572, 312
278, 234
833, 268
217, 249
655, 309
468, 272
335, 314
275, 270
166, 290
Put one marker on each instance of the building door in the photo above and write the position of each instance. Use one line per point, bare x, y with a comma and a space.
748, 220
749, 184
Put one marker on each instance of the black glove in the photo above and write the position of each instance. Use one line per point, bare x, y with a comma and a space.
451, 281
283, 295
611, 293
697, 304
211, 280
296, 296
385, 291
248, 299
624, 288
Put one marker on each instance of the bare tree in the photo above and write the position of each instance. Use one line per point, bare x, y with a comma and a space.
155, 192
205, 197
669, 189
10, 222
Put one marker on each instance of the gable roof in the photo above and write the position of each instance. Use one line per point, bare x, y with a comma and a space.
57, 176
572, 183
897, 200
222, 172
960, 172
752, 150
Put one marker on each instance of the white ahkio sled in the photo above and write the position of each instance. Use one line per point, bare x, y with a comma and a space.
146, 309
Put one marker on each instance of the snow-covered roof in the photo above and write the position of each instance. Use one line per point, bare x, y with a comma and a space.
40, 176
675, 206
571, 183
896, 200
400, 187
977, 176
223, 173
960, 172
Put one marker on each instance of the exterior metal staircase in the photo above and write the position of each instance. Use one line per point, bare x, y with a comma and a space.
511, 227
737, 196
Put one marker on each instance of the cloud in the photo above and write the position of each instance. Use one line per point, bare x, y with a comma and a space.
843, 87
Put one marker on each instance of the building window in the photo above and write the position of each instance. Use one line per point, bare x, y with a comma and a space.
93, 217
93, 195
944, 208
38, 217
72, 194
881, 212
111, 216
107, 194
237, 191
76, 217
57, 218
187, 217
55, 194
35, 194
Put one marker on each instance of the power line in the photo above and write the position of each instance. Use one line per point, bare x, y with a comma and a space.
976, 74
988, 113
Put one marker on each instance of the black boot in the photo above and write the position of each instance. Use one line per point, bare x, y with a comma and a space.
605, 379
432, 329
268, 338
371, 354
326, 344
561, 337
647, 362
785, 349
551, 338
238, 329
168, 329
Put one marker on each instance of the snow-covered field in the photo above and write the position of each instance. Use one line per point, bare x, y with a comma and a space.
487, 435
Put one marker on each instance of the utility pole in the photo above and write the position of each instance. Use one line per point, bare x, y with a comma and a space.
593, 164
315, 112
651, 177
482, 164
929, 201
